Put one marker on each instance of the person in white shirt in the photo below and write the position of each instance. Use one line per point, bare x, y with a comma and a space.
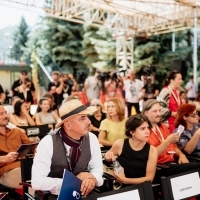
92, 87
192, 89
133, 92
73, 148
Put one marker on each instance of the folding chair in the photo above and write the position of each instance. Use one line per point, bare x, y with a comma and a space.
26, 167
36, 131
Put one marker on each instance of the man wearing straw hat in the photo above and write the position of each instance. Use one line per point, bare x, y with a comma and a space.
73, 147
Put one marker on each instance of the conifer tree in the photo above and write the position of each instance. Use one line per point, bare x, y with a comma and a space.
20, 37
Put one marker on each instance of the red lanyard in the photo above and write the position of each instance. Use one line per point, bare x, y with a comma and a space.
161, 138
176, 97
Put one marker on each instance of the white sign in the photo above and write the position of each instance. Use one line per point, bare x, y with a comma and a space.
185, 186
134, 194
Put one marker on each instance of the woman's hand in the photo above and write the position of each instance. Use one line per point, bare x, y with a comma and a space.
24, 108
120, 177
109, 156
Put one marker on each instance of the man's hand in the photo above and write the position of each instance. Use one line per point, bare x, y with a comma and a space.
87, 186
10, 157
182, 159
173, 138
84, 175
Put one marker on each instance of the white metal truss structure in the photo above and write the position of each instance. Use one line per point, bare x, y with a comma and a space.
132, 16
124, 52
124, 17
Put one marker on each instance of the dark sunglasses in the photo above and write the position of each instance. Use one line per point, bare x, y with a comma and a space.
192, 115
96, 105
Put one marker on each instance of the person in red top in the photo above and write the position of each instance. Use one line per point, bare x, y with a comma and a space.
160, 137
169, 98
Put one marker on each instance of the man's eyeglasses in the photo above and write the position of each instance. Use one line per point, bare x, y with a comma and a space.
96, 105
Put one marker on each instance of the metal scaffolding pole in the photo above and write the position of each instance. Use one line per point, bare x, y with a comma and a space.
195, 48
173, 42
124, 52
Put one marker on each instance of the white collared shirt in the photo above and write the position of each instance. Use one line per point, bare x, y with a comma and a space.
192, 89
42, 164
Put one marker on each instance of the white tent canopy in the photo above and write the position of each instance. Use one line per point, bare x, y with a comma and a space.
131, 16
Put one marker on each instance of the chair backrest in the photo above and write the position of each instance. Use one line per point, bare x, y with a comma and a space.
9, 109
33, 131
26, 167
141, 191
181, 186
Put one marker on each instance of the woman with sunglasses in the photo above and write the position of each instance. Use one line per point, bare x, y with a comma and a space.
189, 140
169, 98
97, 117
136, 156
24, 92
112, 128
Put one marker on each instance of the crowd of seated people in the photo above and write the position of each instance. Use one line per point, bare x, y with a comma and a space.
138, 143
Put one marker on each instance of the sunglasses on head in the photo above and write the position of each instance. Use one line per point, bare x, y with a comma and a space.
96, 105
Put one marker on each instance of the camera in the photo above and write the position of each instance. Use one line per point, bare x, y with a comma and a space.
147, 71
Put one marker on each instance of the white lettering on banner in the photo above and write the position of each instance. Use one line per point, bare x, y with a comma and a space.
185, 186
134, 194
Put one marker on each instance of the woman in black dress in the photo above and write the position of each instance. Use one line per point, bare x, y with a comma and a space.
97, 116
136, 156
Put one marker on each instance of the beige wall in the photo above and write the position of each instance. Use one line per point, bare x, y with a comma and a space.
5, 79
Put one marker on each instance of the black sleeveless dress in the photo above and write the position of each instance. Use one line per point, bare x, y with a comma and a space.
134, 162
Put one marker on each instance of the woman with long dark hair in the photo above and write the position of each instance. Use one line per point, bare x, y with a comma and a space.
21, 116
169, 98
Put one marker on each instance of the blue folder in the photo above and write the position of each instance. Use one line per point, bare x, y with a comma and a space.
70, 188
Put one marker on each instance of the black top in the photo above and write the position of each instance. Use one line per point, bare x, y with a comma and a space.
67, 88
29, 97
134, 162
150, 90
17, 83
1, 90
55, 95
96, 122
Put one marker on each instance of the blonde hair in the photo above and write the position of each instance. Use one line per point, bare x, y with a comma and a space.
120, 108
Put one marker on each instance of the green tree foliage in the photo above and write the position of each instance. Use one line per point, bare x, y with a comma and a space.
157, 51
99, 48
89, 52
20, 37
36, 43
63, 41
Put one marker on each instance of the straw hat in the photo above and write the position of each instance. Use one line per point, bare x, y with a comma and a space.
72, 108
